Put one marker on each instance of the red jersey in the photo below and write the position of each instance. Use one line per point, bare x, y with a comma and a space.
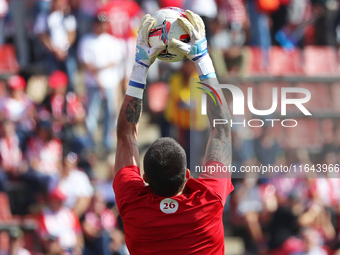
190, 223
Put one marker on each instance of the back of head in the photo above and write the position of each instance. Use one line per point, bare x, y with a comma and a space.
165, 167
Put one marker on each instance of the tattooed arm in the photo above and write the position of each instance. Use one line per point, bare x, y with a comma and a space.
219, 143
130, 112
127, 149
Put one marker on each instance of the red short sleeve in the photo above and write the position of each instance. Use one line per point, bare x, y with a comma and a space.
127, 184
218, 179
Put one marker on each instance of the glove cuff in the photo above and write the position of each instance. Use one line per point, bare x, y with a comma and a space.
134, 91
205, 67
137, 82
139, 73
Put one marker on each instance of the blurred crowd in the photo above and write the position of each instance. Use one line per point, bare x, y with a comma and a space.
280, 215
58, 115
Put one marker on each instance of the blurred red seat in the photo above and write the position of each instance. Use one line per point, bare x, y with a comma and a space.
327, 126
255, 64
320, 61
284, 63
8, 60
305, 135
335, 91
321, 99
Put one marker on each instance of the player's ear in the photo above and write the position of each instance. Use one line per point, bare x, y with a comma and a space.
187, 173
144, 178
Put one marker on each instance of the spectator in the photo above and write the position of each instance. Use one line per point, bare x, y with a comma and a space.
125, 30
118, 245
104, 187
259, 30
291, 216
99, 222
325, 33
287, 187
86, 11
227, 41
19, 108
68, 114
100, 55
250, 205
16, 242
51, 246
284, 226
3, 12
10, 153
267, 147
64, 108
207, 9
57, 32
18, 14
78, 199
326, 190
59, 221
291, 33
311, 245
228, 31
44, 153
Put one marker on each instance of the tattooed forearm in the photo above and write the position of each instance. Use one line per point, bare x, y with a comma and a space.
219, 144
133, 110
219, 150
129, 116
214, 150
218, 112
127, 131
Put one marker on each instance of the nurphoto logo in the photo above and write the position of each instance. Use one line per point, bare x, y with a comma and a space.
238, 104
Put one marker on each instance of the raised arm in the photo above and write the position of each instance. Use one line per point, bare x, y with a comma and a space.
219, 144
127, 149
130, 112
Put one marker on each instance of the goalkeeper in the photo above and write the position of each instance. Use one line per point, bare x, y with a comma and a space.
174, 214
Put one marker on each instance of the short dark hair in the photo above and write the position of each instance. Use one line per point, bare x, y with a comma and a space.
165, 165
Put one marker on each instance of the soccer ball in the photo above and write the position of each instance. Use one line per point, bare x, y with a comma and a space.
165, 28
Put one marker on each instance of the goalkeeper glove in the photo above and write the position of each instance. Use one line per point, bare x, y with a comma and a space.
196, 50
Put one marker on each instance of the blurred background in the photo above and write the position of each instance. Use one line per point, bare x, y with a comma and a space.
64, 67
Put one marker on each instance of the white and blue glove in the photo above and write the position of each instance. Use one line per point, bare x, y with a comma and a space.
196, 50
145, 56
